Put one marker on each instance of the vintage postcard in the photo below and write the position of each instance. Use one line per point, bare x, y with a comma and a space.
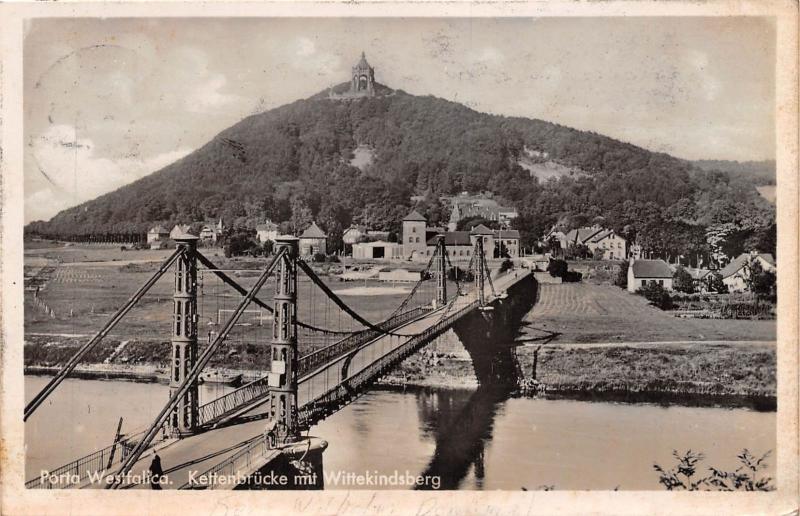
399, 258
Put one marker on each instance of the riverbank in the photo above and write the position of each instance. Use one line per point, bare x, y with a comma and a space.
736, 373
731, 370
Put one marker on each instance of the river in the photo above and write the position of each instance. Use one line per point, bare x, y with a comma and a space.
471, 439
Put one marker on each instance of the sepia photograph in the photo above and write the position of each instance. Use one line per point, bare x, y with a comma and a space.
376, 253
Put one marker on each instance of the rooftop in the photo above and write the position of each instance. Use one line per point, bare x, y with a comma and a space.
313, 231
651, 269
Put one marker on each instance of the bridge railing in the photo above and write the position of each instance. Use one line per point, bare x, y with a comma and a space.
239, 464
322, 356
327, 403
258, 389
209, 412
78, 471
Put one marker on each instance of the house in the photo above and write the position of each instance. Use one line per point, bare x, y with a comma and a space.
313, 241
379, 250
643, 272
419, 240
354, 234
737, 272
157, 234
267, 231
701, 279
178, 230
465, 206
612, 246
211, 232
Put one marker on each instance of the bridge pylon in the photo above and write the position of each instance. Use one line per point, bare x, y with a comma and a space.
184, 419
441, 271
481, 268
283, 353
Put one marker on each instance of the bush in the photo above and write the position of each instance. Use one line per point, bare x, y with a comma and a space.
332, 258
682, 280
507, 265
657, 296
318, 258
557, 268
746, 477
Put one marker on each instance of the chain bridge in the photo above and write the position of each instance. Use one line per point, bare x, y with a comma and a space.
259, 427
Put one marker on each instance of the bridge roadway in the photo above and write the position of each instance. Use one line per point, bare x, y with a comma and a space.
198, 453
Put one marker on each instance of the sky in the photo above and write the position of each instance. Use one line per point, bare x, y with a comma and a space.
107, 101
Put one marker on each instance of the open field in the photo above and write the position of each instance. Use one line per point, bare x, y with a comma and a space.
585, 313
732, 369
78, 297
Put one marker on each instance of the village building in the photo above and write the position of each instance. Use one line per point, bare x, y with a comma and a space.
701, 279
736, 274
359, 233
612, 246
313, 241
211, 232
644, 272
157, 234
268, 231
379, 250
467, 207
419, 241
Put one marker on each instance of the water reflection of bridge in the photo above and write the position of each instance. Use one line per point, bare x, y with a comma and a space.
225, 437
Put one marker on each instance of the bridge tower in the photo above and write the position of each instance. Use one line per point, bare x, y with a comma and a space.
184, 419
481, 267
283, 370
441, 272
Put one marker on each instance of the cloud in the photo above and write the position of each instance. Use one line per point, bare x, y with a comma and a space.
305, 47
207, 97
75, 174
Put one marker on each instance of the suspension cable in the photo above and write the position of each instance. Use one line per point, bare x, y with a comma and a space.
37, 400
241, 290
341, 304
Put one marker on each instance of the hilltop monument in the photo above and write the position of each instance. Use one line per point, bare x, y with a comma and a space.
362, 82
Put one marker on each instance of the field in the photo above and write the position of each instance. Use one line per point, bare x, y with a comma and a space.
585, 313
86, 285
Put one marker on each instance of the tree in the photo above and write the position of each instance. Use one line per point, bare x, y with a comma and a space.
557, 268
715, 283
682, 281
621, 280
759, 281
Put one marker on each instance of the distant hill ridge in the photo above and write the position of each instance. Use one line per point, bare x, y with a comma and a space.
294, 163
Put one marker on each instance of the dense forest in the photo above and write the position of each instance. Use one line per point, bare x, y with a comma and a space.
292, 164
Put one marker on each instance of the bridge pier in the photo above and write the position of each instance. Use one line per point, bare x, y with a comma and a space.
184, 419
283, 367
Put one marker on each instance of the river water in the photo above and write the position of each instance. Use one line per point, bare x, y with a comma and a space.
470, 439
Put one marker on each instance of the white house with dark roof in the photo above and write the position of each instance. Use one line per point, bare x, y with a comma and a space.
267, 231
613, 246
737, 272
644, 272
313, 241
157, 233
178, 230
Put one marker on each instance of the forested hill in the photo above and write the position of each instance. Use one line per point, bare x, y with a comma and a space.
293, 163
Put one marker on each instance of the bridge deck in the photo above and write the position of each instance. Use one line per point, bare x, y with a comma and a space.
198, 453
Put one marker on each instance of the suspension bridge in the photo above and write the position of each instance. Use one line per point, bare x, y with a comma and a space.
258, 427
